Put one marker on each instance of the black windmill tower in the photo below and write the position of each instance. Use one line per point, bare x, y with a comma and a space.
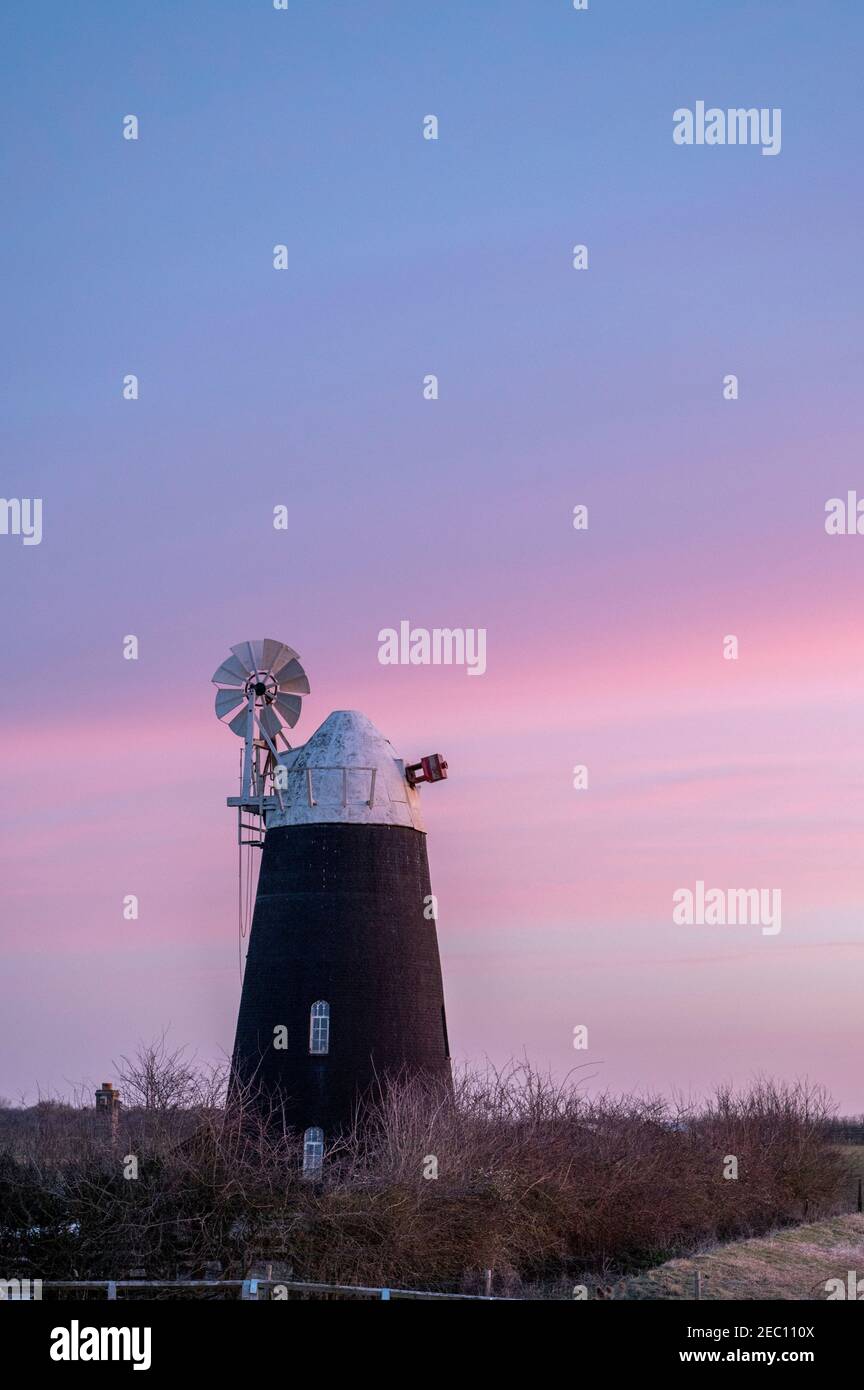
342, 987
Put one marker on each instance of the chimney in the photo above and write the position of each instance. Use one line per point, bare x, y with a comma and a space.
108, 1104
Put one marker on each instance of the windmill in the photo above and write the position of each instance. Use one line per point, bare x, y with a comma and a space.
342, 986
260, 685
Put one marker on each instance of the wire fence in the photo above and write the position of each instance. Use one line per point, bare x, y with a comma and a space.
247, 1290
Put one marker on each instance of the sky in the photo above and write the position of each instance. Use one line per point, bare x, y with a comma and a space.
558, 387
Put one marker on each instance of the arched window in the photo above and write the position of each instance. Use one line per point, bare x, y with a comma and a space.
319, 1028
313, 1150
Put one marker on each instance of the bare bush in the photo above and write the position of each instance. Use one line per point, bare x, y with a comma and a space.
509, 1171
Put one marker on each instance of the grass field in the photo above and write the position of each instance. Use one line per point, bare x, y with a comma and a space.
792, 1264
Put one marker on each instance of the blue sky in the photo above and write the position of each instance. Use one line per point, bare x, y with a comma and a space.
406, 257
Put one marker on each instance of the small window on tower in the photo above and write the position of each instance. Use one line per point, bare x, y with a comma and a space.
319, 1029
313, 1150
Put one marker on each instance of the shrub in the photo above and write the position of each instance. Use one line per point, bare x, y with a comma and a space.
535, 1180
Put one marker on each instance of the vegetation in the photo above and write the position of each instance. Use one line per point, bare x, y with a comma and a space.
793, 1264
535, 1181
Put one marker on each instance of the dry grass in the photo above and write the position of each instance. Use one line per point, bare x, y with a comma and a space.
792, 1265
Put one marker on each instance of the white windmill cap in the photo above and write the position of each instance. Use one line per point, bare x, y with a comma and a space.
347, 773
